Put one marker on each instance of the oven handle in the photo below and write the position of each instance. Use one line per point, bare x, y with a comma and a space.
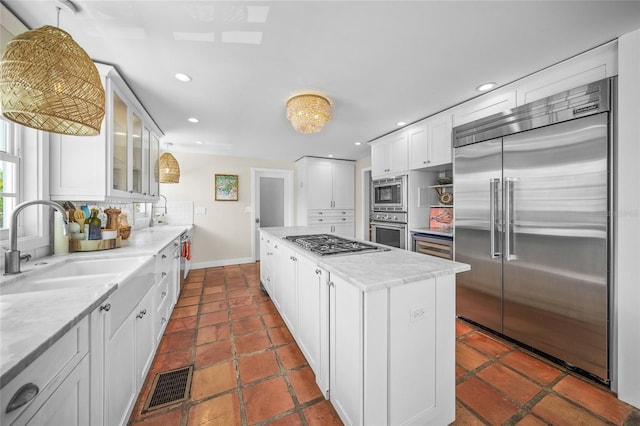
400, 226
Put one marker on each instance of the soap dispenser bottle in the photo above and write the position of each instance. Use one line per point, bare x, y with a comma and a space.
94, 225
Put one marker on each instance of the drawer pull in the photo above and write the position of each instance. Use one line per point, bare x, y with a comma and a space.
22, 396
163, 320
164, 274
142, 313
164, 256
106, 307
164, 293
318, 271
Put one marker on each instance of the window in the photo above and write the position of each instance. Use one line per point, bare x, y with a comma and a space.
9, 173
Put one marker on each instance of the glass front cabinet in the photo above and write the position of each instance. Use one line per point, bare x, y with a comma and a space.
119, 164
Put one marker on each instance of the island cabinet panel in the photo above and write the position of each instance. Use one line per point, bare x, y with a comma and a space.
346, 351
313, 311
287, 288
402, 369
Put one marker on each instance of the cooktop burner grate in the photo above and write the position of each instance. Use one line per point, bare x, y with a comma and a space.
327, 244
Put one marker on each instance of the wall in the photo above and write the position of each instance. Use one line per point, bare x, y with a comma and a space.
222, 229
627, 221
360, 165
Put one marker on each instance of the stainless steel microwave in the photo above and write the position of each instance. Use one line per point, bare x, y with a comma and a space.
389, 194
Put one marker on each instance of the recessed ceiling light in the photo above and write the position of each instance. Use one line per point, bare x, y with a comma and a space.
401, 123
486, 86
200, 142
182, 77
358, 143
330, 155
193, 120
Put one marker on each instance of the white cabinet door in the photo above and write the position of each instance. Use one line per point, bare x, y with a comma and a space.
69, 404
378, 159
320, 184
390, 155
398, 154
145, 341
120, 372
286, 289
419, 155
346, 229
346, 359
343, 185
440, 146
484, 106
309, 287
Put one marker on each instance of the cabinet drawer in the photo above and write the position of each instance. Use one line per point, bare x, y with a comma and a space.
47, 372
330, 213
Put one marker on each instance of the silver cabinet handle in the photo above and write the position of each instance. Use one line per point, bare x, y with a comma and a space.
141, 313
164, 256
319, 220
331, 284
493, 209
164, 274
22, 396
164, 294
106, 307
509, 219
318, 272
163, 320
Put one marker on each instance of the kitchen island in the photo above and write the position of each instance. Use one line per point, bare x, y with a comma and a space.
377, 327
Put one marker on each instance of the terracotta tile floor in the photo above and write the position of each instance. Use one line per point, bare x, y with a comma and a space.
248, 370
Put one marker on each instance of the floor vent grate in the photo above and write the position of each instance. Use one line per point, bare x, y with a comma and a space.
169, 387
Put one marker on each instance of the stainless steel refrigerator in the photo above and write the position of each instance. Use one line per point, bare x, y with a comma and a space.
532, 201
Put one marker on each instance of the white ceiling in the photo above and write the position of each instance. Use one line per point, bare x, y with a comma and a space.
378, 61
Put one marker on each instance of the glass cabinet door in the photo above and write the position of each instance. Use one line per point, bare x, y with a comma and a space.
154, 176
120, 136
136, 130
146, 161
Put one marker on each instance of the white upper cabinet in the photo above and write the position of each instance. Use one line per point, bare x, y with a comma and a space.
430, 142
492, 103
120, 163
390, 155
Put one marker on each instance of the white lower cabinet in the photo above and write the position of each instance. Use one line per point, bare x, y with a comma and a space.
58, 382
286, 292
313, 318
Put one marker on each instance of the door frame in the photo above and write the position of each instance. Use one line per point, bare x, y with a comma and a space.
287, 175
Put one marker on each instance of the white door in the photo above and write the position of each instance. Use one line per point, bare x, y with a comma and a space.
272, 202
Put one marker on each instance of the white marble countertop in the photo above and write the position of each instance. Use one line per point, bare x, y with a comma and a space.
373, 271
30, 322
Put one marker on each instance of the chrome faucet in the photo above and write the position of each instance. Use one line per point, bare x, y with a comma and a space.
153, 219
12, 257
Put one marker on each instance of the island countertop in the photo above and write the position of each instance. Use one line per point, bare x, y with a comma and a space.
371, 271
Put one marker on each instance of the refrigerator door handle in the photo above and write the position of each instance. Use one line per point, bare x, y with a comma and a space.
509, 219
493, 209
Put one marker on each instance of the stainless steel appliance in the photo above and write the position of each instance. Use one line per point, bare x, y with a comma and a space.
185, 254
389, 228
533, 196
433, 245
389, 194
329, 244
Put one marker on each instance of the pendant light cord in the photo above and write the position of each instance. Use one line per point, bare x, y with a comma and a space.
58, 17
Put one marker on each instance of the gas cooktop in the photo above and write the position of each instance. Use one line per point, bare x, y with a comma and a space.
327, 244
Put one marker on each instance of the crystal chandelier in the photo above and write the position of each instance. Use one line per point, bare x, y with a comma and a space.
308, 112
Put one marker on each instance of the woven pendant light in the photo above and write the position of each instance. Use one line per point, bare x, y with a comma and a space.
169, 168
49, 83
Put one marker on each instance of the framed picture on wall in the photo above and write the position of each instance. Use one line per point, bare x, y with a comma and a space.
226, 187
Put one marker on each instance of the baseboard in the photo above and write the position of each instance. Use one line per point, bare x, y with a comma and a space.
218, 263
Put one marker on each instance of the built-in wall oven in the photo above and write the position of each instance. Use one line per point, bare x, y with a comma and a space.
389, 194
389, 228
